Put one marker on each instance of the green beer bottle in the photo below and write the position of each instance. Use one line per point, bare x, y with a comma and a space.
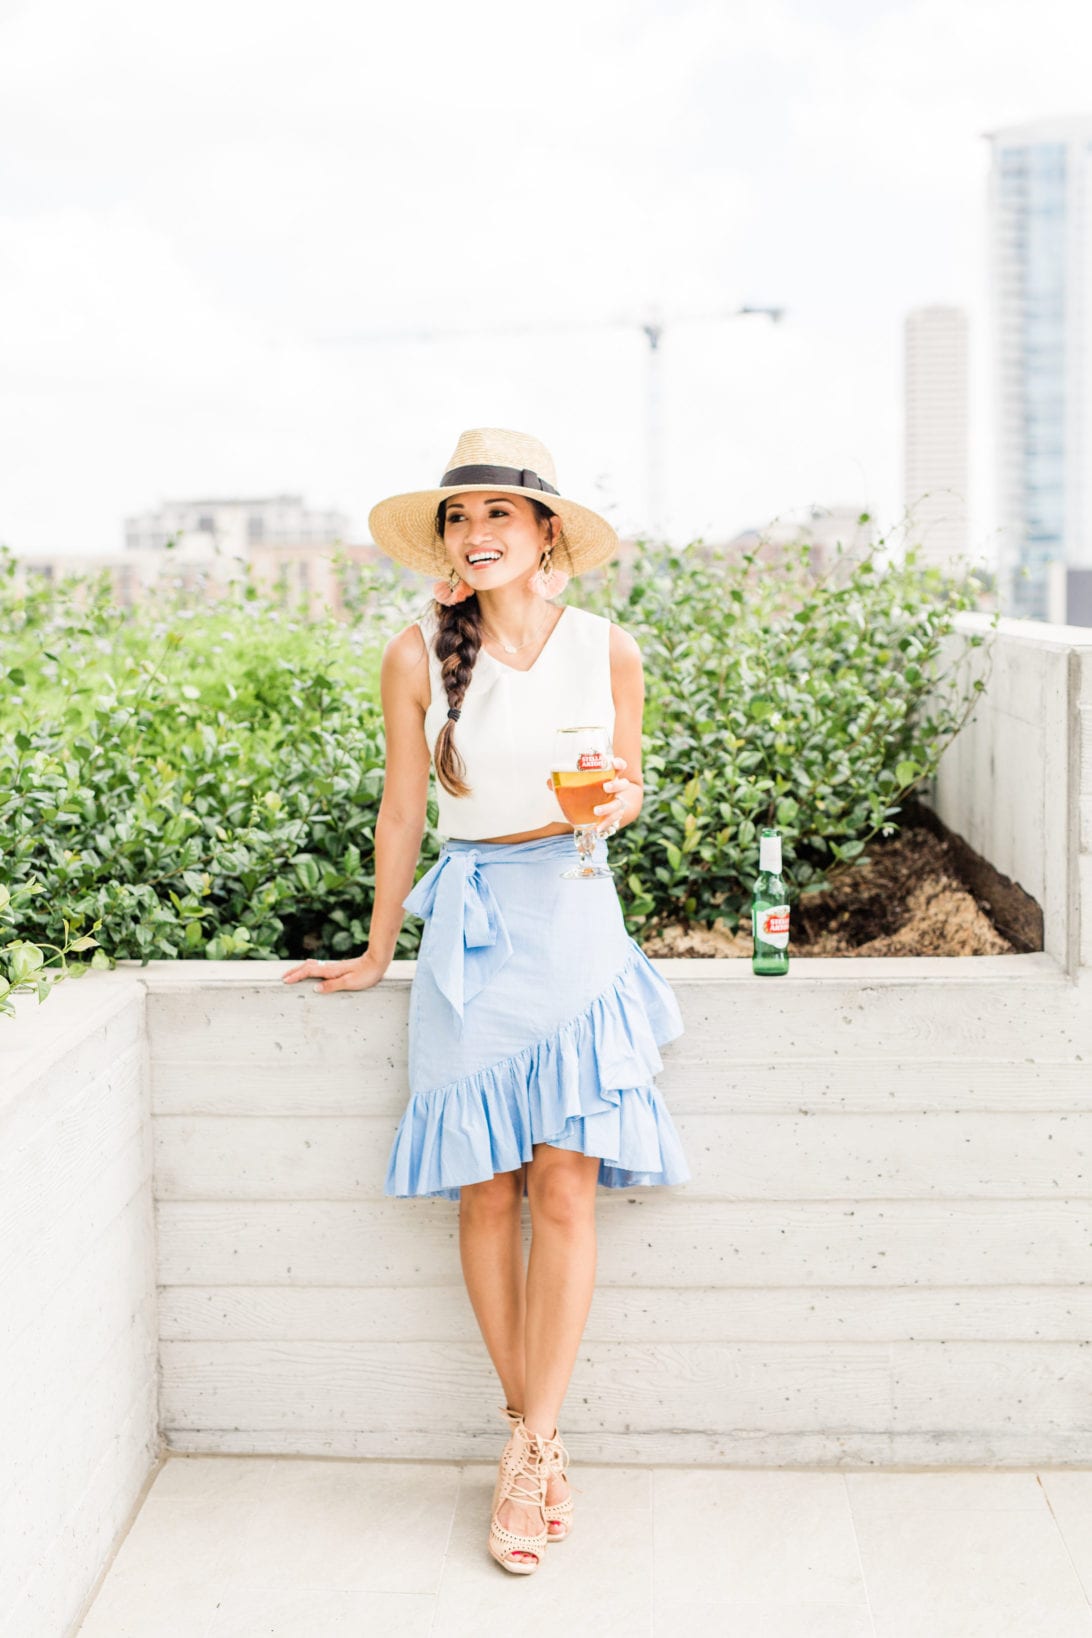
770, 910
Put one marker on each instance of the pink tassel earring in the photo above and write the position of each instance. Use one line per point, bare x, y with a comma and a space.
548, 581
452, 590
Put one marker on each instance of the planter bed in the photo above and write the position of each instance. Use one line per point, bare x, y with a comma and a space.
920, 893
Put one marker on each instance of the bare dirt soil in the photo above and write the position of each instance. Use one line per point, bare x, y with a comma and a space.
912, 898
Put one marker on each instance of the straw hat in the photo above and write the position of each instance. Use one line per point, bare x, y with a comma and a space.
511, 463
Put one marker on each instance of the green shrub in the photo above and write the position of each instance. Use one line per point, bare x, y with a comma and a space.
776, 698
187, 779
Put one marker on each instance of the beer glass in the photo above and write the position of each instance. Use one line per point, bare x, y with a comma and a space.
583, 762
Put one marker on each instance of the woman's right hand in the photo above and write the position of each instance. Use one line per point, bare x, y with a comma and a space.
359, 974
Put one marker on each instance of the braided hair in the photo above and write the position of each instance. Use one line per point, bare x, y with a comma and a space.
458, 641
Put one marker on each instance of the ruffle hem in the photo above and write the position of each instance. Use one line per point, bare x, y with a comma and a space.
588, 1086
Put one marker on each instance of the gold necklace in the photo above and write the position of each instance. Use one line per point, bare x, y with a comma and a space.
514, 648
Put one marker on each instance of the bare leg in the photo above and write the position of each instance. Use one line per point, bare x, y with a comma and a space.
561, 1189
491, 1251
540, 1321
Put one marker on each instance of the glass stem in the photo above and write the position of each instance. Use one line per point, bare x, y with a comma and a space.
586, 839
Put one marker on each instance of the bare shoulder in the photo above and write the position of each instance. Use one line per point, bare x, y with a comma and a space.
625, 651
406, 649
405, 662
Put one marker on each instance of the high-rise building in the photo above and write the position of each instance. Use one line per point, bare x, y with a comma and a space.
1041, 278
209, 545
935, 432
234, 526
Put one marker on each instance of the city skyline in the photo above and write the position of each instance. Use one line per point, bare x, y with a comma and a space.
177, 297
1041, 265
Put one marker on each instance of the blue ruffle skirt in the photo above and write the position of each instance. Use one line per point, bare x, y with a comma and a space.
534, 1018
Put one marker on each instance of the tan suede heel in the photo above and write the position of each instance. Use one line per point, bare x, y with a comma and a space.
557, 1460
521, 1477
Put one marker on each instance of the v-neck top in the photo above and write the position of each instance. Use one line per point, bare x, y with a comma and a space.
505, 733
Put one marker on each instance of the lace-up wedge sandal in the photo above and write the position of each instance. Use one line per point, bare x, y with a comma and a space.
521, 1477
557, 1460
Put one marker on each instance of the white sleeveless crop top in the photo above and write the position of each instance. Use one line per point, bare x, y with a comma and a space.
505, 734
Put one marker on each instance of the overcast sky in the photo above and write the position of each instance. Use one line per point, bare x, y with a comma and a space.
199, 204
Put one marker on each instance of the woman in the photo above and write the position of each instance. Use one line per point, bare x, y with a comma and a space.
534, 1017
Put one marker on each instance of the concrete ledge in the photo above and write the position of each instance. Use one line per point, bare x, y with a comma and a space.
865, 972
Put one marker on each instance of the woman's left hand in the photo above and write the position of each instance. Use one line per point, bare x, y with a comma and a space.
614, 811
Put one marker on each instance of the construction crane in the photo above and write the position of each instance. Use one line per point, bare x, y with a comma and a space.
652, 327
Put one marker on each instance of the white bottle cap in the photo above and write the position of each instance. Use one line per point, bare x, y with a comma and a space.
769, 854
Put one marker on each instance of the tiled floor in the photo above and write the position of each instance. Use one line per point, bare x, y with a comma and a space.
254, 1547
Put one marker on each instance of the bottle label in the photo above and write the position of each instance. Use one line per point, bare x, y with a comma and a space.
769, 854
773, 925
590, 759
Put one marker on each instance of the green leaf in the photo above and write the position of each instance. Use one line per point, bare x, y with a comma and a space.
23, 959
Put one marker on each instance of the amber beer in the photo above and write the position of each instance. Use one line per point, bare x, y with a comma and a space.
583, 762
579, 790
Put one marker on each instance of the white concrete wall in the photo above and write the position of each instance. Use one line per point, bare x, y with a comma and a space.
882, 1256
78, 1430
1017, 782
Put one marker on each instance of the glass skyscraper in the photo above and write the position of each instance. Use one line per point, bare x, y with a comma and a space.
1040, 269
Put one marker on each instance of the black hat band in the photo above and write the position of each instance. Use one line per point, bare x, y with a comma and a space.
517, 477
